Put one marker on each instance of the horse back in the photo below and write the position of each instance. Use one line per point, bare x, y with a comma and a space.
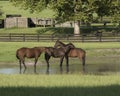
76, 52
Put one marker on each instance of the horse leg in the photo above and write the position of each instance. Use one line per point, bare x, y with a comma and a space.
36, 59
47, 57
67, 63
20, 65
23, 61
83, 63
61, 61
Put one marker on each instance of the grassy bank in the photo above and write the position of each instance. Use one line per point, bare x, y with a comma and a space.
59, 85
94, 50
101, 58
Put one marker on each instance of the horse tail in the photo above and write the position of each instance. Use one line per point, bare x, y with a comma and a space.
17, 54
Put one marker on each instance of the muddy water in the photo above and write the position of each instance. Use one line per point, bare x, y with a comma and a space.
94, 65
74, 68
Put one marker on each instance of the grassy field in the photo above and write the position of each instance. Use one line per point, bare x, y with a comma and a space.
59, 85
8, 50
97, 53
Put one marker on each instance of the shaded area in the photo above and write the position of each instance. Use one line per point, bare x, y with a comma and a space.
83, 29
111, 90
56, 30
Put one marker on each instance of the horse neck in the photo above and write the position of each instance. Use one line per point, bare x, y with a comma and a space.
70, 44
67, 48
42, 49
62, 44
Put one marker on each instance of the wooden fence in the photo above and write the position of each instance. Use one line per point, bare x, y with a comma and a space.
15, 37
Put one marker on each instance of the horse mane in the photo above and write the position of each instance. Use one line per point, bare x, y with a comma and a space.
71, 44
60, 42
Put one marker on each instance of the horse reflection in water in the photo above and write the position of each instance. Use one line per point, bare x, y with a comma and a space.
29, 53
58, 53
74, 52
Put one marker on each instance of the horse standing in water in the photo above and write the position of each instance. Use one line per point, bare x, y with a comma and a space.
58, 53
29, 53
74, 52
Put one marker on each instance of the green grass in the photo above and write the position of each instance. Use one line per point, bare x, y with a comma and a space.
75, 84
59, 85
94, 50
8, 53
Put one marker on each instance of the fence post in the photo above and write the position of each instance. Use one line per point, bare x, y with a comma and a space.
100, 38
82, 38
38, 37
67, 35
23, 37
52, 37
10, 36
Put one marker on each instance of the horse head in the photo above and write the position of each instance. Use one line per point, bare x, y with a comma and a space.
49, 50
71, 44
58, 43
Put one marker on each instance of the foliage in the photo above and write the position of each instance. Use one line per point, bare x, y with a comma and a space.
1, 11
65, 9
107, 8
75, 10
72, 9
31, 5
8, 8
116, 16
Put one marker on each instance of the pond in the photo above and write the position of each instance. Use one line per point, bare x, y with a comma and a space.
74, 68
106, 64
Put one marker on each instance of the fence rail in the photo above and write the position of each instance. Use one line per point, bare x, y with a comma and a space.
15, 37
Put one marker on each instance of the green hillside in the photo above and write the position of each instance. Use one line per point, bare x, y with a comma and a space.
8, 8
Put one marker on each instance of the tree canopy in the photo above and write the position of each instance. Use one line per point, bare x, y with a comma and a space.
75, 10
1, 12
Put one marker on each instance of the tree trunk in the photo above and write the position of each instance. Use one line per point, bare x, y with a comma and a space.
77, 27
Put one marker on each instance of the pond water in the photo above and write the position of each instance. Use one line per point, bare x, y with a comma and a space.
74, 68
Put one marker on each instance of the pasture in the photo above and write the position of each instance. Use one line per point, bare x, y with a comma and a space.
102, 62
72, 84
105, 55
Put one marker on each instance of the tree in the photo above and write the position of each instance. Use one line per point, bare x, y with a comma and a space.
106, 8
67, 10
1, 12
116, 16
75, 10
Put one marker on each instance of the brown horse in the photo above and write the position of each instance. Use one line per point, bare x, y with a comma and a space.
57, 53
29, 53
74, 52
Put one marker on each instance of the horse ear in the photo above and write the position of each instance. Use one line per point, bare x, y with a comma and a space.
57, 40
